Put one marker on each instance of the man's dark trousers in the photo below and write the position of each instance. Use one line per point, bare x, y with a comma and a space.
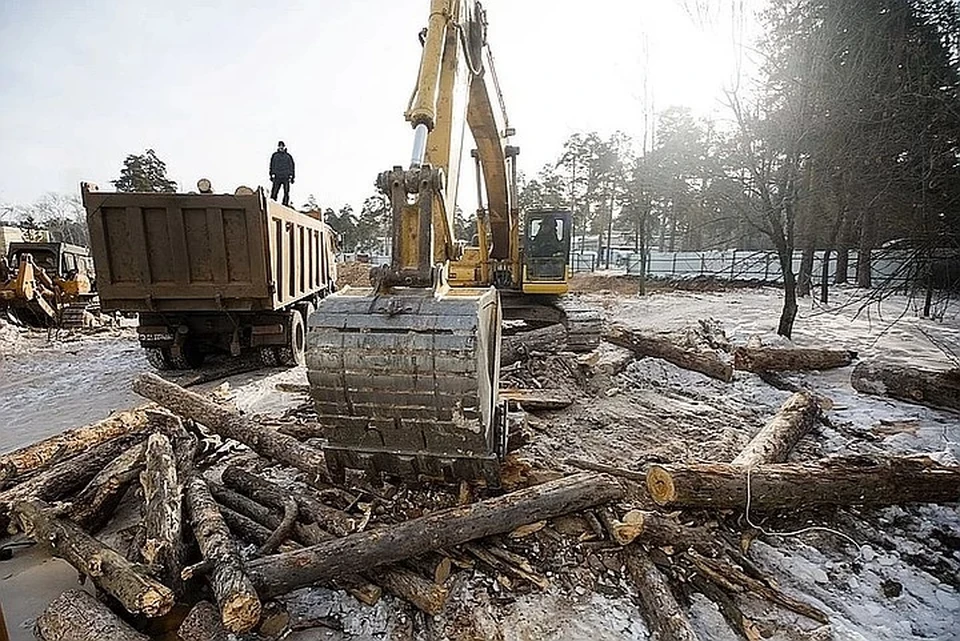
281, 181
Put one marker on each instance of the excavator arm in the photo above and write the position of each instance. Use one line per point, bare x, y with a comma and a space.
405, 374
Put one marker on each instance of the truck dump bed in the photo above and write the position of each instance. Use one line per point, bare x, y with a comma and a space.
204, 252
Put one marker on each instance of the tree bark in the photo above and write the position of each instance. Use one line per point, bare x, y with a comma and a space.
789, 312
202, 624
76, 615
552, 338
94, 505
42, 454
782, 359
411, 587
128, 583
926, 387
238, 601
283, 530
708, 363
63, 479
229, 424
858, 480
363, 550
805, 277
777, 438
664, 617
267, 493
162, 546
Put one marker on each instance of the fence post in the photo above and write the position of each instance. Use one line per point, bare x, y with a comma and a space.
703, 264
673, 269
766, 266
733, 261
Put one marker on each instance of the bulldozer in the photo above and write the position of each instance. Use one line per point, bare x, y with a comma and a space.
47, 285
404, 374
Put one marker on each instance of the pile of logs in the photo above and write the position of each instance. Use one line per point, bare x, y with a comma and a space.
219, 542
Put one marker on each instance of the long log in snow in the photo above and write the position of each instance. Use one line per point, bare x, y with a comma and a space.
363, 550
659, 607
777, 438
129, 583
661, 346
931, 388
227, 423
784, 359
855, 480
552, 338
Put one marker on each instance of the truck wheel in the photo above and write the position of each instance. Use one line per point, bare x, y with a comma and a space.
158, 357
268, 357
293, 354
190, 356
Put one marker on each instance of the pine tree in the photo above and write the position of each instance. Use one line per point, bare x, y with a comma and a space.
144, 173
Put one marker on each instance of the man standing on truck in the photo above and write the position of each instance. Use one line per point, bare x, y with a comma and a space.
281, 173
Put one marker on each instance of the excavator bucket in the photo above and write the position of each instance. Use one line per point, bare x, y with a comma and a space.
406, 382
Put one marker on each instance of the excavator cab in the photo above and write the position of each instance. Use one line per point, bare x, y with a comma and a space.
546, 252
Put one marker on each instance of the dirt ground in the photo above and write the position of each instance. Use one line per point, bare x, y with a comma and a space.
899, 581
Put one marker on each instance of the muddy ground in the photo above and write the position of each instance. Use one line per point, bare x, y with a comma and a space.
899, 581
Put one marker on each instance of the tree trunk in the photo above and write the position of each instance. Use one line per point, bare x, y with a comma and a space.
162, 546
777, 438
42, 454
789, 312
705, 362
203, 624
864, 257
128, 583
63, 479
859, 480
229, 424
234, 594
664, 617
262, 491
94, 505
363, 550
76, 615
550, 339
790, 359
926, 387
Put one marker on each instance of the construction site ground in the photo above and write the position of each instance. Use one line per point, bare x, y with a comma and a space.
880, 574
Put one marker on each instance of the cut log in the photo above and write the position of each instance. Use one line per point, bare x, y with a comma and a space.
229, 424
129, 583
162, 546
234, 594
783, 359
663, 347
633, 475
508, 563
183, 442
94, 505
659, 607
777, 438
411, 587
534, 400
363, 550
857, 480
63, 479
76, 615
263, 491
552, 339
203, 624
925, 387
40, 455
734, 580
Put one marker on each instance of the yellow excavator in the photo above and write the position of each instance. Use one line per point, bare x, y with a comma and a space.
47, 284
405, 374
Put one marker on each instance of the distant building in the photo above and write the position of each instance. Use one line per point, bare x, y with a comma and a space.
9, 235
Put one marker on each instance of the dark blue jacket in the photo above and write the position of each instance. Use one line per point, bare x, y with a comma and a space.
281, 165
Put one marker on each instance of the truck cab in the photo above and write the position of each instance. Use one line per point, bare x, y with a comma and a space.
546, 251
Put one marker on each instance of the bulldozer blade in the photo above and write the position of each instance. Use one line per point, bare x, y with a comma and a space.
406, 383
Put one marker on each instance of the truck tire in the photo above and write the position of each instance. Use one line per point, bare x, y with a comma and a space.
158, 357
268, 356
293, 354
190, 356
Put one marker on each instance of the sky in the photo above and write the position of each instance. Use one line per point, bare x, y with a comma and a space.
212, 85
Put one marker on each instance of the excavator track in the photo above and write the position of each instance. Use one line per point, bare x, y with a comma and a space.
584, 325
406, 383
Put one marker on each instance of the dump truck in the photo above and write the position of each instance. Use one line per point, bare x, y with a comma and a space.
47, 284
210, 273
